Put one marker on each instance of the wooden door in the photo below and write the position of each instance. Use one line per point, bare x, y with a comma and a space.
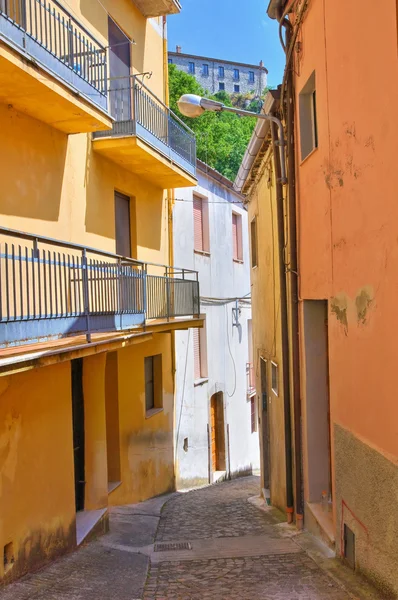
120, 70
213, 430
122, 225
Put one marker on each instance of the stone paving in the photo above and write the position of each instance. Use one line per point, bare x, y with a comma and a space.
237, 552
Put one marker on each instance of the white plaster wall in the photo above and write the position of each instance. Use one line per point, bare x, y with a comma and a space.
220, 277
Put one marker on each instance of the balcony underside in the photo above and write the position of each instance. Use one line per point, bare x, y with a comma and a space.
157, 8
41, 354
163, 169
32, 90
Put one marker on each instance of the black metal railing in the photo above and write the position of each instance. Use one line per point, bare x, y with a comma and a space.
137, 110
52, 289
58, 32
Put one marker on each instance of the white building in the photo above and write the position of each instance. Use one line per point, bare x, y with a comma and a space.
216, 422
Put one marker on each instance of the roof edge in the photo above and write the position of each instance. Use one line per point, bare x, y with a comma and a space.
220, 60
217, 176
259, 135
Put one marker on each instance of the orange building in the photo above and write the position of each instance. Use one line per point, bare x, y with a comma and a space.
341, 229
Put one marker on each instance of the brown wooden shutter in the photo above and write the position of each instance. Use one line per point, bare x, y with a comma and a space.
235, 235
198, 223
196, 354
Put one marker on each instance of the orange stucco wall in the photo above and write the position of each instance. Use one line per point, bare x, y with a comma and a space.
348, 209
37, 505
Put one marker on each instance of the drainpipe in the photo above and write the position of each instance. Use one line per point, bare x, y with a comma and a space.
294, 295
284, 328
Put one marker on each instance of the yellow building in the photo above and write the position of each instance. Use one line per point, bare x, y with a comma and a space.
270, 287
90, 155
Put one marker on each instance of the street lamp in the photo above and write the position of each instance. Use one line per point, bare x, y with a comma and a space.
194, 106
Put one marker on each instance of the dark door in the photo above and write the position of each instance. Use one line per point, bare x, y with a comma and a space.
265, 423
120, 69
78, 431
122, 225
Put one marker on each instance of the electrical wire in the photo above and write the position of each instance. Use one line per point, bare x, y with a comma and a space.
232, 357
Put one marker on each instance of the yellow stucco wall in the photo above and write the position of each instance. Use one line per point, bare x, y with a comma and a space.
37, 506
146, 444
266, 316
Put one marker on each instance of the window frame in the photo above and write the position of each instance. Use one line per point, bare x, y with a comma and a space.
205, 249
239, 239
236, 75
253, 243
251, 77
191, 68
253, 414
236, 91
221, 89
221, 72
308, 122
275, 371
170, 61
202, 343
154, 364
205, 70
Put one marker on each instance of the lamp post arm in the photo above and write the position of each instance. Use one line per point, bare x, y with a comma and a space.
281, 137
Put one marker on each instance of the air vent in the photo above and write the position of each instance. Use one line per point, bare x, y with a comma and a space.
349, 546
170, 546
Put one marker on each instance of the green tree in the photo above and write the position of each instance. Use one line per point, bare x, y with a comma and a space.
222, 138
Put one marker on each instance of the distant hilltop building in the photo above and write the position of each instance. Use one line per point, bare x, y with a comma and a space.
215, 74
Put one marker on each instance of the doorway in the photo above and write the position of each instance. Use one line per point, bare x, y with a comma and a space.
217, 432
265, 428
120, 70
122, 225
112, 420
318, 434
78, 431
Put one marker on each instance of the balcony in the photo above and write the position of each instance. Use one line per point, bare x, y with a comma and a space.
157, 8
251, 380
51, 67
147, 138
52, 289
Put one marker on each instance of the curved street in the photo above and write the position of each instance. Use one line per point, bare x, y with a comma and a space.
211, 543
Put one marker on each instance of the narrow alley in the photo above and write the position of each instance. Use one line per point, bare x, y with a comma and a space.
210, 543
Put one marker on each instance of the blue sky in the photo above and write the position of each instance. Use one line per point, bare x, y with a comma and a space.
229, 29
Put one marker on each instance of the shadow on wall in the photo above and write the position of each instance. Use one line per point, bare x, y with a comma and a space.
33, 163
102, 179
130, 20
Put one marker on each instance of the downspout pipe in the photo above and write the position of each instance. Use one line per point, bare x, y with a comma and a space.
284, 330
294, 293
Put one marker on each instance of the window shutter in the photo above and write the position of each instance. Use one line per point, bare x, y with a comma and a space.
198, 223
253, 414
196, 353
235, 235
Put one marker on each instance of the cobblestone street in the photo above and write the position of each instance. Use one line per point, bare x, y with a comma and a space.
207, 544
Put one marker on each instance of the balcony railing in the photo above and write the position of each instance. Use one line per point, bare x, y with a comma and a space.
51, 289
52, 36
137, 111
251, 379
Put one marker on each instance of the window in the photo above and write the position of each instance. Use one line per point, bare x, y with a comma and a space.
308, 121
221, 72
237, 237
253, 237
275, 378
205, 69
170, 61
221, 87
153, 382
251, 76
236, 89
201, 224
253, 414
236, 74
199, 354
191, 67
